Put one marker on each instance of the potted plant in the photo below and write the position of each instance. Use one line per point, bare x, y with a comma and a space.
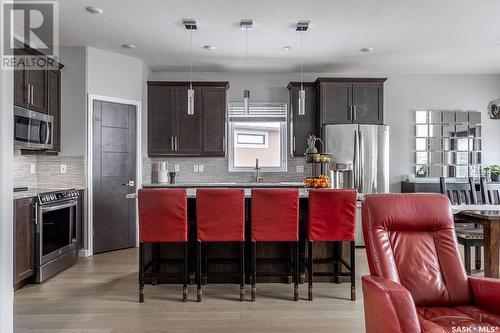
495, 173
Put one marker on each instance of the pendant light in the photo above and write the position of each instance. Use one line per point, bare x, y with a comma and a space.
246, 25
190, 25
302, 27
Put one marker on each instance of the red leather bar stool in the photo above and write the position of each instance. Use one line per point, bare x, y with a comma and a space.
162, 219
220, 217
332, 217
275, 218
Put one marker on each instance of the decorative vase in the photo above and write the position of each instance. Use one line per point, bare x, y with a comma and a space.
162, 172
494, 177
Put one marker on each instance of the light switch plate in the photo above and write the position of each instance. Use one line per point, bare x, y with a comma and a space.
177, 168
33, 169
299, 169
63, 168
195, 168
200, 168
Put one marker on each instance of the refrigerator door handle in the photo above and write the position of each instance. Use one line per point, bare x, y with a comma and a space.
361, 163
355, 161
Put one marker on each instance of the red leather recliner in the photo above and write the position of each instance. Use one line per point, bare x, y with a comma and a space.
417, 282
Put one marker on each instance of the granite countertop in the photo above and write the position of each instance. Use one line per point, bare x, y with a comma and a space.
33, 192
225, 184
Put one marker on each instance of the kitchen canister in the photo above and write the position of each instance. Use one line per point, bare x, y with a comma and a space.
162, 172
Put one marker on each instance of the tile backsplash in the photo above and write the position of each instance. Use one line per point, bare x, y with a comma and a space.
215, 169
47, 171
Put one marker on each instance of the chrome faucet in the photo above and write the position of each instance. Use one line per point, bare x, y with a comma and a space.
258, 178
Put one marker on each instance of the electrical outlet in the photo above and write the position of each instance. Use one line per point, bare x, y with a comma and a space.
200, 168
33, 169
177, 168
299, 169
63, 168
195, 168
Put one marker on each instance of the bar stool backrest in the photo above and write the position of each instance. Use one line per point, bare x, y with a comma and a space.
332, 215
220, 214
163, 215
275, 215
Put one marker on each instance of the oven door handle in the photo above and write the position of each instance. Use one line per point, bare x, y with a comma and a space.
57, 207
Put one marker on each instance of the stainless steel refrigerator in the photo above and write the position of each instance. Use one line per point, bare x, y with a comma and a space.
360, 156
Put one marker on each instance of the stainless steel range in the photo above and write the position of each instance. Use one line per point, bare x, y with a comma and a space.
56, 232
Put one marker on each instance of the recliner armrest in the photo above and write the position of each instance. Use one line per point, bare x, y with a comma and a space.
486, 293
389, 307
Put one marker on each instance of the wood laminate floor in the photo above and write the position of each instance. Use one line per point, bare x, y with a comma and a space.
100, 295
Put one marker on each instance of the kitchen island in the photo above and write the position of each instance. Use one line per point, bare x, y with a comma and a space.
222, 259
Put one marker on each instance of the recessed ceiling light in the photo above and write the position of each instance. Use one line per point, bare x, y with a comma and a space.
94, 10
366, 49
286, 48
128, 46
209, 47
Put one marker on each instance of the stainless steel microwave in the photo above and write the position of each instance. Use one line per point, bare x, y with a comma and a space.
32, 130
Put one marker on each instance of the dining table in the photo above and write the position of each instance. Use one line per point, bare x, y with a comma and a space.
489, 217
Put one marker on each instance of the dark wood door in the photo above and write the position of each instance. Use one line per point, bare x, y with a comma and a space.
186, 127
368, 103
20, 88
54, 106
160, 121
114, 166
24, 239
213, 106
301, 125
336, 102
37, 83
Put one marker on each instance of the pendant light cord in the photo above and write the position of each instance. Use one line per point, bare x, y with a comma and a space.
246, 59
191, 58
302, 60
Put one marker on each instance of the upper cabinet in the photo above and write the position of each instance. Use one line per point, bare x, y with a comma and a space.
301, 126
350, 100
174, 132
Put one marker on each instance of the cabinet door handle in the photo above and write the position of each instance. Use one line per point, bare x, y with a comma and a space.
354, 113
349, 117
172, 143
28, 98
175, 143
223, 143
32, 94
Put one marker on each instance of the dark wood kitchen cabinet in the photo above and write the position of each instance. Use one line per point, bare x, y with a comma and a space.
301, 126
54, 106
30, 89
24, 241
172, 132
350, 100
213, 112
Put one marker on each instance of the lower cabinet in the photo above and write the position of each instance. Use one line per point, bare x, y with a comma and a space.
24, 241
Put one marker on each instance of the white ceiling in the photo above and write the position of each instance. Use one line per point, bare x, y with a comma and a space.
424, 36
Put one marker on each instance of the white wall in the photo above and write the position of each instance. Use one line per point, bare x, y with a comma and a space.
403, 93
113, 75
6, 218
73, 100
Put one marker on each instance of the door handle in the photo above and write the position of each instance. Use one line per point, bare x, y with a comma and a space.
32, 94
130, 183
172, 143
354, 113
350, 113
176, 146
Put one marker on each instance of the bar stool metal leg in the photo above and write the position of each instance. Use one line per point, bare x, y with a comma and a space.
185, 264
198, 271
254, 270
353, 271
296, 273
310, 270
141, 272
242, 271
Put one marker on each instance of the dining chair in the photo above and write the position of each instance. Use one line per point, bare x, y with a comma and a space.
468, 234
490, 192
